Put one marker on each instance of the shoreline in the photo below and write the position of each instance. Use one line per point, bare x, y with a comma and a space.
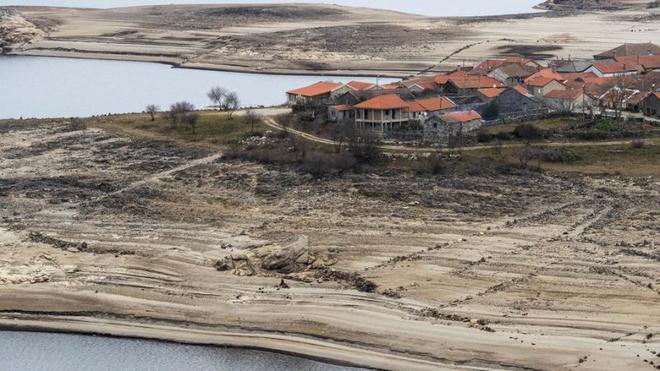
311, 349
221, 67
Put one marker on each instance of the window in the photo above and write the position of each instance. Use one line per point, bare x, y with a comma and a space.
387, 112
393, 114
366, 114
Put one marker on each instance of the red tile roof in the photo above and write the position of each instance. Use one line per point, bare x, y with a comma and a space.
564, 94
342, 107
637, 97
541, 81
314, 90
487, 66
571, 76
649, 62
547, 73
431, 105
443, 78
491, 92
475, 82
382, 102
460, 116
522, 90
359, 85
614, 67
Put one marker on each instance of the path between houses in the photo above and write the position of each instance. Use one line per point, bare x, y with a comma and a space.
269, 121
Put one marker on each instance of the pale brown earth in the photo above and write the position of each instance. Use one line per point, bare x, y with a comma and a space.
486, 267
327, 39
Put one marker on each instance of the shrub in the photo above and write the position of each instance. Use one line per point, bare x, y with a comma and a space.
323, 164
528, 132
434, 164
637, 143
556, 155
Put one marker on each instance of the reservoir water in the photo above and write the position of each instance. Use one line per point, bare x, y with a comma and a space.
44, 87
29, 351
437, 8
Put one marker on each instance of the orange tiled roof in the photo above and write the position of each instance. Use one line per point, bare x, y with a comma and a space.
646, 61
491, 92
359, 85
431, 105
475, 82
564, 94
314, 90
460, 116
381, 102
521, 89
547, 73
613, 67
541, 81
342, 107
443, 78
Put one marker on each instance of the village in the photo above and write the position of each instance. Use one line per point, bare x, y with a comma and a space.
620, 84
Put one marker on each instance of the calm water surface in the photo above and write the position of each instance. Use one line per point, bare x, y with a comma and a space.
440, 8
40, 87
26, 351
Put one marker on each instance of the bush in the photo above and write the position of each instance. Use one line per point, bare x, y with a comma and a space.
434, 164
323, 164
528, 132
556, 155
637, 143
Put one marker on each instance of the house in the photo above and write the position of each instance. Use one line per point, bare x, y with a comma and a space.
650, 105
644, 64
382, 112
567, 100
440, 128
469, 84
540, 86
489, 94
351, 86
633, 103
516, 102
512, 73
419, 109
616, 98
573, 66
341, 112
612, 69
628, 50
316, 94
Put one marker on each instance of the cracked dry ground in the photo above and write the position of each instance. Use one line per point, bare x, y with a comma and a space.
488, 267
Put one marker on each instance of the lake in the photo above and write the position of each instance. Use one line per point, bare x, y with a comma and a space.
439, 8
43, 87
30, 351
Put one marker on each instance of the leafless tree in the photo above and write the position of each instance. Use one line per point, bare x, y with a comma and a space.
251, 118
179, 110
191, 118
231, 103
217, 96
152, 109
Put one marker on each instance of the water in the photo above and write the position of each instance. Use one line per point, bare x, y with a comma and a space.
54, 352
439, 8
41, 87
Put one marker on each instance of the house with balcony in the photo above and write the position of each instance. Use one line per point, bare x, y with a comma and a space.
381, 113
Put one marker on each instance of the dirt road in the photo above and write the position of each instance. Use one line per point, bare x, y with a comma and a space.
491, 269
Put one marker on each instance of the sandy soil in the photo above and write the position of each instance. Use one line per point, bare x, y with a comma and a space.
489, 268
329, 39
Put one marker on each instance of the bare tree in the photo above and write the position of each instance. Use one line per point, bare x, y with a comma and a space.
251, 118
152, 109
217, 95
231, 103
179, 110
191, 118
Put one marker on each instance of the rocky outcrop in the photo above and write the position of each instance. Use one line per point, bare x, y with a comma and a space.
16, 31
293, 257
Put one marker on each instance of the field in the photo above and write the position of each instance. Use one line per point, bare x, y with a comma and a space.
121, 226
